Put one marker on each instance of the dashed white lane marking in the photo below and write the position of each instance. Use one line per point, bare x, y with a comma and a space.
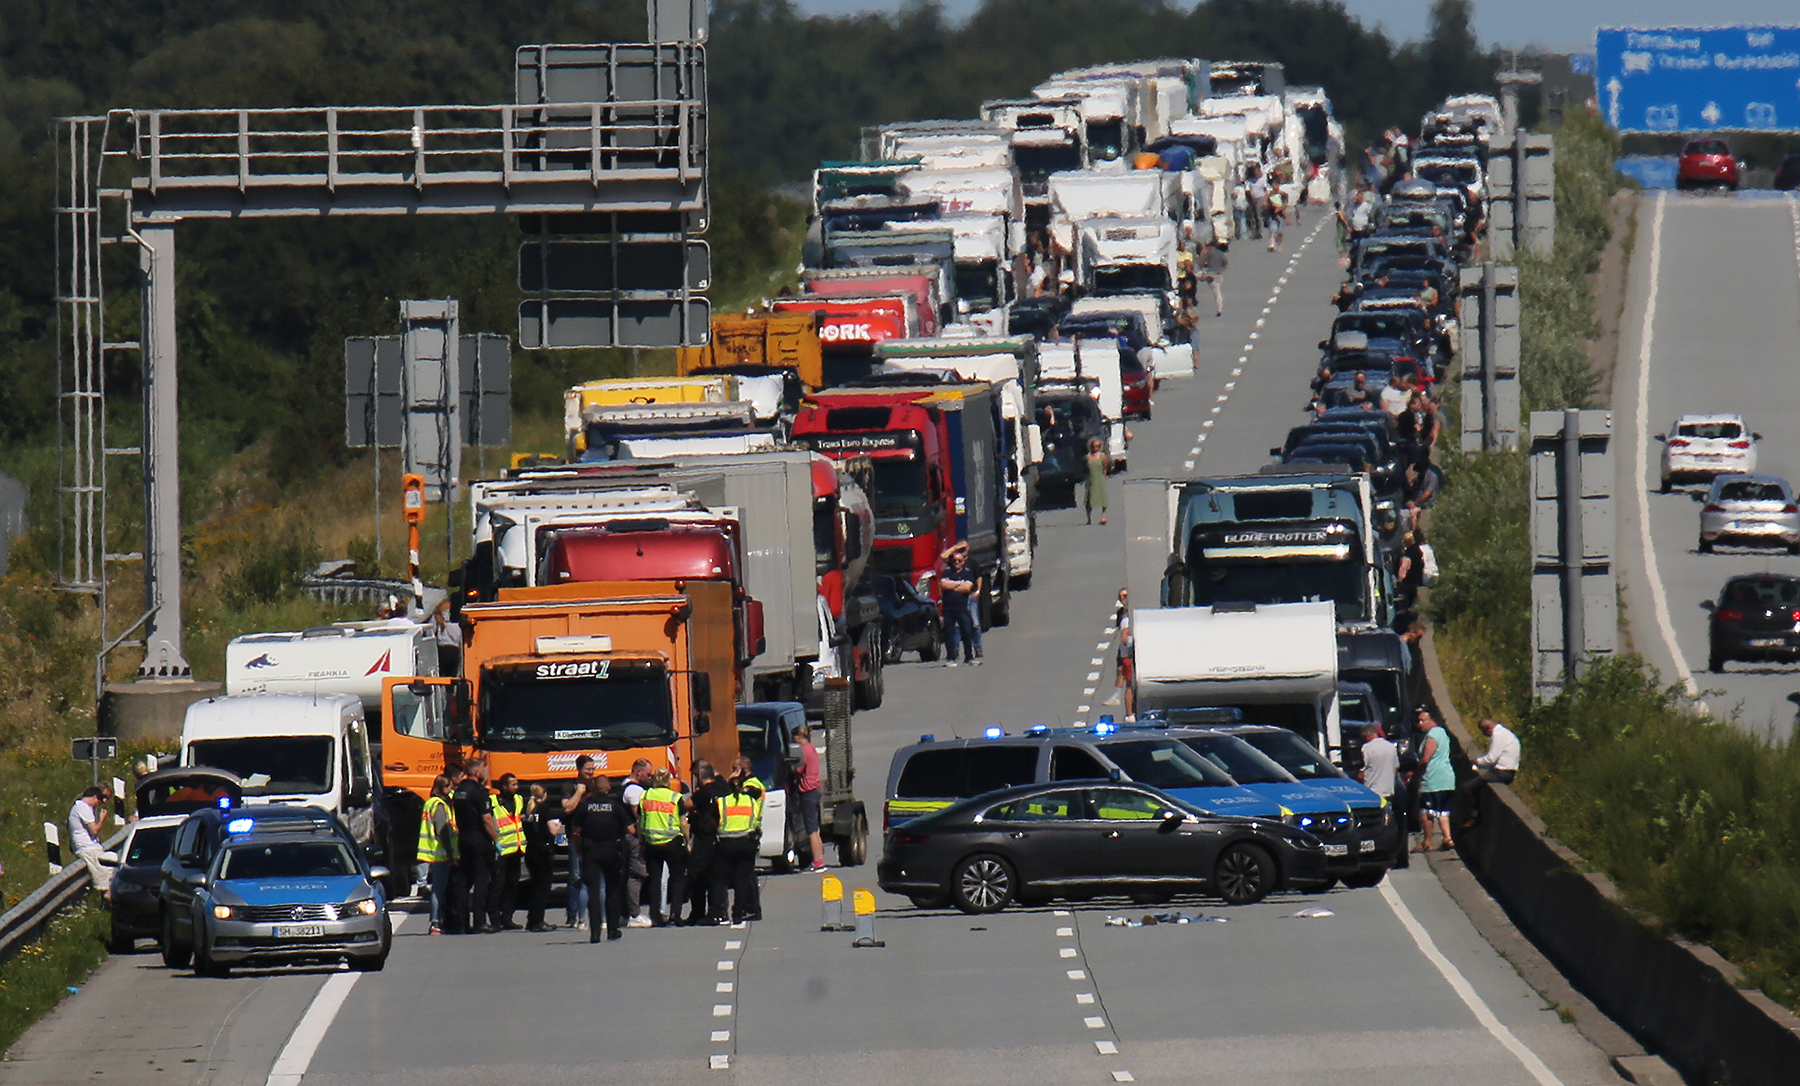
1062, 912
1094, 1022
727, 965
1123, 1076
718, 1063
1460, 984
1084, 997
1083, 708
734, 944
1097, 661
1068, 952
1250, 345
1106, 1048
721, 1010
1077, 974
720, 1036
1065, 933
1093, 676
1659, 599
724, 987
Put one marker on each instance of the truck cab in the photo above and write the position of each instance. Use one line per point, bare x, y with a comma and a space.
291, 748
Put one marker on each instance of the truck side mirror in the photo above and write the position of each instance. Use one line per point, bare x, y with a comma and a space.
457, 711
753, 617
700, 691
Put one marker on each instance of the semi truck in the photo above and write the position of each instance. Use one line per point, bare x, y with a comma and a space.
613, 392
1010, 366
1048, 136
343, 658
1281, 536
775, 341
1083, 360
937, 477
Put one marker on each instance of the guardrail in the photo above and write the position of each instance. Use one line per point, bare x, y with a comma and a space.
24, 923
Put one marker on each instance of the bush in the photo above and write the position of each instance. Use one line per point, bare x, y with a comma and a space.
270, 573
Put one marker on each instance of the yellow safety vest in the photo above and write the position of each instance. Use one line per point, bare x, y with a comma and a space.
660, 817
740, 812
511, 825
432, 848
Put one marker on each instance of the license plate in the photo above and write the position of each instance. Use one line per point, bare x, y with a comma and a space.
1766, 642
299, 931
1337, 850
1368, 846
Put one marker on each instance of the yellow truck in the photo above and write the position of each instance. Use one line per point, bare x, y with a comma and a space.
769, 341
626, 391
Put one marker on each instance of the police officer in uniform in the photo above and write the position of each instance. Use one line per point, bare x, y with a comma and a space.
599, 825
508, 807
543, 821
477, 841
703, 839
660, 811
740, 831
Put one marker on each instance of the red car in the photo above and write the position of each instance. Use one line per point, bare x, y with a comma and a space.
1138, 386
1706, 163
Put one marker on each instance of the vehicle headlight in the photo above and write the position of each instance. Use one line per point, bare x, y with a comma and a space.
366, 906
221, 912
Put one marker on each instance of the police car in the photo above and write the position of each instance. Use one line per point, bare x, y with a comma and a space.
271, 884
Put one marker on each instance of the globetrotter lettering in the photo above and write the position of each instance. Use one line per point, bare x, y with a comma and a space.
1310, 535
574, 669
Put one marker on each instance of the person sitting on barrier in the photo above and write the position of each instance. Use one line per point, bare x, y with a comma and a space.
1498, 765
86, 817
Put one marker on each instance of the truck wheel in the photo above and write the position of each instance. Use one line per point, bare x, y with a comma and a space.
871, 690
1020, 583
853, 848
1002, 611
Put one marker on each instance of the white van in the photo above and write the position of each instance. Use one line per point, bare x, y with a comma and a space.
290, 748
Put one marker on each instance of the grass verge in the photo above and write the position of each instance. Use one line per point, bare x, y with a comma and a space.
42, 974
1697, 823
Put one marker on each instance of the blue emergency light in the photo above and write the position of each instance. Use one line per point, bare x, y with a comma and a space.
240, 825
928, 738
994, 732
224, 803
1037, 729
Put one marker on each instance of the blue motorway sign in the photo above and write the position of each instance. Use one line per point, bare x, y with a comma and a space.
1688, 79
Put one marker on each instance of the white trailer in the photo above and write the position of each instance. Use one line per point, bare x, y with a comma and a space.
344, 658
1276, 663
1078, 196
1096, 359
1167, 357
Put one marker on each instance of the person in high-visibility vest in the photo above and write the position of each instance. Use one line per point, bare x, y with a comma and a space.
437, 849
661, 825
740, 832
503, 892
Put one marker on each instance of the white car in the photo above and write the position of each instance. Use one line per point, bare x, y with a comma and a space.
1702, 446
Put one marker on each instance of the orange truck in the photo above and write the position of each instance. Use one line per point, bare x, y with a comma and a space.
753, 343
615, 670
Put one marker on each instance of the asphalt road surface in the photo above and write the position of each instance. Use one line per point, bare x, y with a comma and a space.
1711, 324
1394, 987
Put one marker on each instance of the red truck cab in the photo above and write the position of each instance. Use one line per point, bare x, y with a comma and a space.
908, 450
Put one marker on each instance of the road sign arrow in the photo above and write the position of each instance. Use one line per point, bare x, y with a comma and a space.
1711, 113
1613, 86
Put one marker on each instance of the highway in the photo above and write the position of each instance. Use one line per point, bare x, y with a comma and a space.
1395, 987
1712, 311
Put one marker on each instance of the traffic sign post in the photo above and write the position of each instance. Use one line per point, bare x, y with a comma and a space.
1690, 79
94, 750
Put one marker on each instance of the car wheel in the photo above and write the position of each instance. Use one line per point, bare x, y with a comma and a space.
370, 963
174, 955
119, 942
1244, 874
1664, 488
928, 901
932, 648
1362, 880
1793, 548
204, 966
983, 883
1715, 664
1706, 546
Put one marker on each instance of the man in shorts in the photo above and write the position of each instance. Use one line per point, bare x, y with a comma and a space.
808, 793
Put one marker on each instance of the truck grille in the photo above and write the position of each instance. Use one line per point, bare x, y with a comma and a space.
286, 914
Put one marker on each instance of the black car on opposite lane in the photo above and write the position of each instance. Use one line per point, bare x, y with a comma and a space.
1081, 837
1756, 618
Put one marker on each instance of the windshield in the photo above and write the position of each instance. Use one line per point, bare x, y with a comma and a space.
1130, 278
1038, 163
271, 765
1243, 763
625, 705
900, 493
287, 860
1106, 140
1375, 325
149, 846
1293, 754
1165, 763
1280, 580
978, 284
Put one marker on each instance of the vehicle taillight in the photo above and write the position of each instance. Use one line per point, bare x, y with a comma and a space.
905, 838
1715, 509
1729, 615
1795, 616
1790, 508
1678, 443
1740, 444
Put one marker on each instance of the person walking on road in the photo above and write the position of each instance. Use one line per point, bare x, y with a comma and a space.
86, 817
1211, 264
543, 822
661, 813
740, 831
703, 840
959, 587
437, 851
1125, 671
1094, 494
1437, 784
599, 828
808, 794
509, 825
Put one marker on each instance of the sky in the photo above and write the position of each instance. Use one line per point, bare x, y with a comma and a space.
1557, 25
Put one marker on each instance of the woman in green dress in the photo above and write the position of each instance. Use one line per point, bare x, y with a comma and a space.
1097, 465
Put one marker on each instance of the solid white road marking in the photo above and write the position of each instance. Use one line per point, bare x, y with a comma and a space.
1659, 599
296, 1056
1466, 991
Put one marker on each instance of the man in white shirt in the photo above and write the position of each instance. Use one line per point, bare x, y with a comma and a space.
85, 819
1498, 765
1380, 772
1396, 396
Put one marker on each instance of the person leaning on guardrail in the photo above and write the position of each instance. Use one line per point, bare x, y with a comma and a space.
86, 817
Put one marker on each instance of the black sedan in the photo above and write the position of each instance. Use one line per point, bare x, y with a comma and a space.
1757, 617
1077, 838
